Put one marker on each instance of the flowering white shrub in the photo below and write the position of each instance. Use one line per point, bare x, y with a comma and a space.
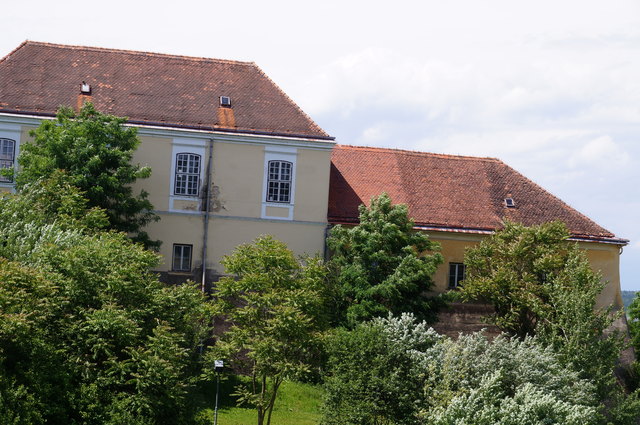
397, 371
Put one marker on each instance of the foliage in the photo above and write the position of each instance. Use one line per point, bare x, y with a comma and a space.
87, 333
373, 372
512, 270
95, 151
634, 321
397, 371
383, 265
541, 284
274, 308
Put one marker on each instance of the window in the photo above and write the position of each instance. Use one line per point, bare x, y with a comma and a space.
279, 181
7, 156
187, 181
456, 274
182, 257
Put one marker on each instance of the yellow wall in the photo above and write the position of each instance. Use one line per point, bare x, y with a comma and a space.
238, 195
604, 258
225, 234
312, 185
238, 171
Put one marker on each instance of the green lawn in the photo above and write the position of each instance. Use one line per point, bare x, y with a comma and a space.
296, 404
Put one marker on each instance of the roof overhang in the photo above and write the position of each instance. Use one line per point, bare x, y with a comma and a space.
486, 232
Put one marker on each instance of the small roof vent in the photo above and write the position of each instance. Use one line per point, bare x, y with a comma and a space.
85, 88
225, 101
509, 202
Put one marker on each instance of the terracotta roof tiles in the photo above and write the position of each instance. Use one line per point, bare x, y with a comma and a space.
447, 192
150, 88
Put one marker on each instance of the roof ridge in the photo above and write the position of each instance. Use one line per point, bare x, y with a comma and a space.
315, 125
420, 153
133, 52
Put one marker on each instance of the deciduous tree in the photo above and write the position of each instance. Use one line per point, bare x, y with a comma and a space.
95, 151
383, 265
274, 307
88, 335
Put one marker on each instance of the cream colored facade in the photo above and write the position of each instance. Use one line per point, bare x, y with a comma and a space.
239, 211
603, 257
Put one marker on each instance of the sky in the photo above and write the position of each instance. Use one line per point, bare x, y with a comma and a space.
552, 88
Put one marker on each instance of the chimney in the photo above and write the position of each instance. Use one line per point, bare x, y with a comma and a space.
84, 96
226, 118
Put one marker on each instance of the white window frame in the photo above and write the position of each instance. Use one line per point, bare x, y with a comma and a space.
9, 160
282, 154
458, 275
182, 247
11, 132
185, 146
279, 180
190, 171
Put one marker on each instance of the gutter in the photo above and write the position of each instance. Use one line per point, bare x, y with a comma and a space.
205, 233
485, 231
182, 126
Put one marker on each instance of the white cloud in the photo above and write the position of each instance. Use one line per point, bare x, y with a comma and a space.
602, 153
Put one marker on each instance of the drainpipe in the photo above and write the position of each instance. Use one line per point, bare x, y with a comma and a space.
205, 233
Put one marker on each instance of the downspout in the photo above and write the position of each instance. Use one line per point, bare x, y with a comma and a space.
205, 233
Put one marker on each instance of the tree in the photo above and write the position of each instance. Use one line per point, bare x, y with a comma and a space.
95, 151
541, 284
273, 305
88, 335
519, 269
399, 371
382, 264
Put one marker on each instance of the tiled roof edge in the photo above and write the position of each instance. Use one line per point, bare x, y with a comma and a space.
314, 124
185, 127
482, 231
558, 199
24, 43
418, 153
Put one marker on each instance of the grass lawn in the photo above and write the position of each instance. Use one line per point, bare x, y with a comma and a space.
296, 404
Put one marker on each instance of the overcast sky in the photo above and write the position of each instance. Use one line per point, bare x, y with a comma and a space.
550, 87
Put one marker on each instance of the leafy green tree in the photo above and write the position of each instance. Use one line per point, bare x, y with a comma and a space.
382, 264
88, 335
518, 271
273, 305
541, 284
95, 151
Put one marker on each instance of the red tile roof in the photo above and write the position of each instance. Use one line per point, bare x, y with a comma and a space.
447, 192
150, 88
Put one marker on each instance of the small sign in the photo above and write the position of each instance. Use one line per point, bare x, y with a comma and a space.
218, 365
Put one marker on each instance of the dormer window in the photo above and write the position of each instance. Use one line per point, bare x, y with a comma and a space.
509, 202
225, 101
85, 88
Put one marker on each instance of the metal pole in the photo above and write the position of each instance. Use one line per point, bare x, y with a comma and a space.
215, 414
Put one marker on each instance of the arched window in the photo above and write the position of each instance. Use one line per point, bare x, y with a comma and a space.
279, 181
7, 156
187, 180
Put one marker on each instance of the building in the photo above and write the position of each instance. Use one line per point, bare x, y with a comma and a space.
224, 125
269, 171
458, 200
